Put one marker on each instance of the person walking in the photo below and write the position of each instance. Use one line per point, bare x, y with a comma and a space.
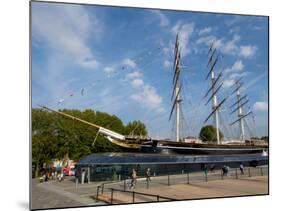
134, 179
241, 168
147, 174
225, 170
46, 177
212, 167
205, 169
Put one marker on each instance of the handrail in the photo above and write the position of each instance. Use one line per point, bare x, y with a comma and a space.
144, 194
140, 193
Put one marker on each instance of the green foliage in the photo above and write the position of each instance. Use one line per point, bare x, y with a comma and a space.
56, 137
265, 138
208, 134
136, 128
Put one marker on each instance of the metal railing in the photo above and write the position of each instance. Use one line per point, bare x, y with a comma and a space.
180, 178
134, 195
197, 177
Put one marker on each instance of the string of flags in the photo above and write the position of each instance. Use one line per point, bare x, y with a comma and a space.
78, 92
140, 60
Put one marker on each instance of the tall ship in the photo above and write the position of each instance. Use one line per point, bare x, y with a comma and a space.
179, 146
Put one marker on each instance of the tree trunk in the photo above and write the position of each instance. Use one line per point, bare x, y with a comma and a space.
36, 169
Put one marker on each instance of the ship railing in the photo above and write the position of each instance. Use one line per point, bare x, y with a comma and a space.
137, 137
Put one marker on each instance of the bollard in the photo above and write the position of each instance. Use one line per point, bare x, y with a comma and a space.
182, 171
221, 175
168, 179
261, 172
249, 170
133, 196
76, 183
206, 177
124, 184
98, 188
187, 178
147, 183
89, 175
111, 199
102, 188
119, 177
236, 174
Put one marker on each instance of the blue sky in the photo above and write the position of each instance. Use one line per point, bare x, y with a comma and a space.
119, 60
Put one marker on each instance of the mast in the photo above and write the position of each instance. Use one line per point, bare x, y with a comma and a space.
216, 116
176, 98
214, 89
241, 101
240, 114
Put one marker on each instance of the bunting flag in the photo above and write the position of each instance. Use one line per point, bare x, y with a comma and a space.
60, 101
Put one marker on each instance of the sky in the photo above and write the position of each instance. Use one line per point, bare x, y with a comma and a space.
120, 61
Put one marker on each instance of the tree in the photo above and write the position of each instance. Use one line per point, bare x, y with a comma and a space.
208, 133
43, 141
136, 128
57, 137
264, 138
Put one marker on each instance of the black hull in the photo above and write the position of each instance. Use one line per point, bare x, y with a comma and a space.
200, 151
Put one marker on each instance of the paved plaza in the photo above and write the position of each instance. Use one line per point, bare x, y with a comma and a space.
216, 188
181, 186
62, 194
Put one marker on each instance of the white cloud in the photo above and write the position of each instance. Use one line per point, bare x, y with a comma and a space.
137, 82
145, 94
109, 70
129, 62
238, 75
66, 30
228, 83
231, 47
184, 31
134, 75
88, 63
167, 64
168, 51
236, 67
248, 51
218, 43
163, 19
148, 97
233, 73
205, 31
207, 40
175, 29
261, 106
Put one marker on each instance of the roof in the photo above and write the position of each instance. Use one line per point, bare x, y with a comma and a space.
146, 158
